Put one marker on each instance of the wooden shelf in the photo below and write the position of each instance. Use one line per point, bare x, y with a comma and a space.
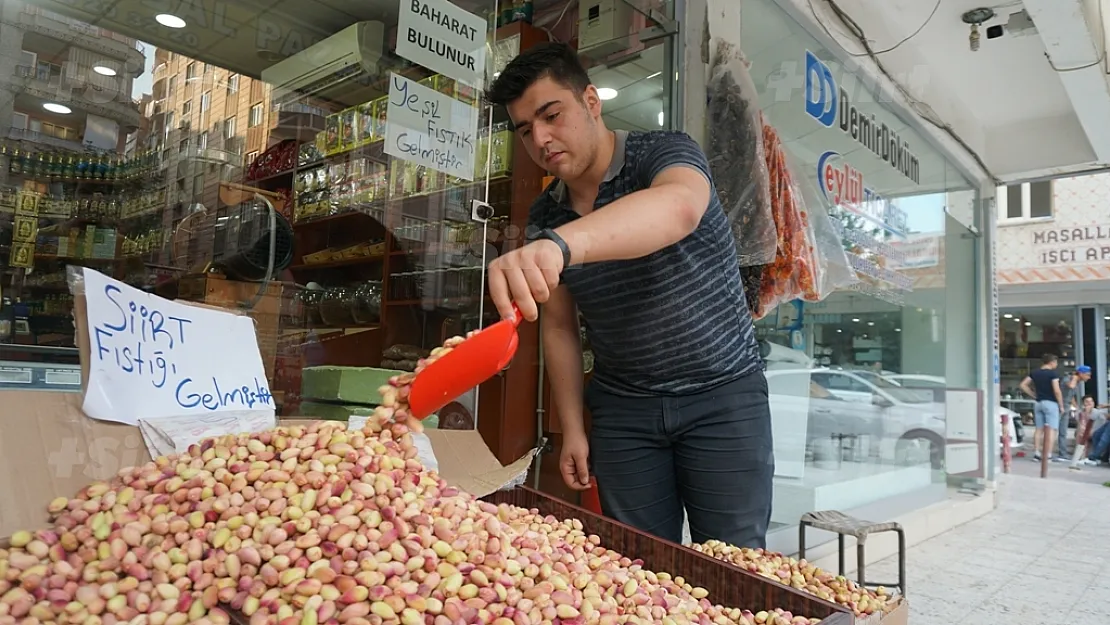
346, 262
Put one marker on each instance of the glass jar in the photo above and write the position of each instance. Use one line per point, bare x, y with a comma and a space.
337, 307
367, 303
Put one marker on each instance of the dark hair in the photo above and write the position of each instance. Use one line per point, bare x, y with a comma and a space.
1048, 359
1090, 397
554, 60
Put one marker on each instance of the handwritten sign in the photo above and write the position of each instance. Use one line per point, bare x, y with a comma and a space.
152, 358
427, 127
443, 38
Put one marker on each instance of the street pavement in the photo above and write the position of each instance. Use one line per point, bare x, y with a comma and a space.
1040, 558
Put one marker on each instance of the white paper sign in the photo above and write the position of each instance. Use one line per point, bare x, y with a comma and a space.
443, 38
427, 127
150, 357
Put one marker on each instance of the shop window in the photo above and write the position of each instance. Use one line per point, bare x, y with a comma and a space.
191, 71
205, 101
255, 117
229, 128
1029, 200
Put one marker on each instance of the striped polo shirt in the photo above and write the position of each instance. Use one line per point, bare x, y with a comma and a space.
672, 322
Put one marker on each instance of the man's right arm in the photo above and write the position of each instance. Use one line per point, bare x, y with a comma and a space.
562, 345
1026, 387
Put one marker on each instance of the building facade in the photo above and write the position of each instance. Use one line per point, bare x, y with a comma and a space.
84, 73
1054, 278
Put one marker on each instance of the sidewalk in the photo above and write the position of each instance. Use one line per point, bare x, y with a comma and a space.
1041, 558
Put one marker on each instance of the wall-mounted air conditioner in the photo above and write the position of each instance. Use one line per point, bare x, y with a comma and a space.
343, 68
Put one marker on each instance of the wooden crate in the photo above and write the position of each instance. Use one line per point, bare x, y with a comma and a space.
727, 585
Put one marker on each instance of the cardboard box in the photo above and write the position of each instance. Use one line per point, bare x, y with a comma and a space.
49, 448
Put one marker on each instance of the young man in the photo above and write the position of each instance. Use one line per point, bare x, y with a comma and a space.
1090, 420
1069, 386
1043, 385
631, 234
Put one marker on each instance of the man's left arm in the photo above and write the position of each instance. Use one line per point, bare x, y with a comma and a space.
675, 174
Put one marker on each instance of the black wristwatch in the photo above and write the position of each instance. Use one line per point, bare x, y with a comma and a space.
551, 235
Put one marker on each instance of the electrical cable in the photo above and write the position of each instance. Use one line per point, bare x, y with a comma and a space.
919, 107
860, 31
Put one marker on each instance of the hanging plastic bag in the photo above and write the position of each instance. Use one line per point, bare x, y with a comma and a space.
736, 156
810, 262
833, 268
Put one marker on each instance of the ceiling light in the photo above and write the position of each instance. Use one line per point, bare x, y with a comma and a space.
1009, 316
605, 93
870, 323
57, 108
169, 21
855, 320
104, 70
897, 329
840, 330
1027, 324
661, 123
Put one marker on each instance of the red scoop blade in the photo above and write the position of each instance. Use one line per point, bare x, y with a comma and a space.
474, 361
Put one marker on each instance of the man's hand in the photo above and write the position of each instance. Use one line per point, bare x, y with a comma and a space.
573, 461
526, 275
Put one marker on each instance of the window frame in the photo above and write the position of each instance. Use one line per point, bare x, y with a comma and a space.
251, 122
1002, 204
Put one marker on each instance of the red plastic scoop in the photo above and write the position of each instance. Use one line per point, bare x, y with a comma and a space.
472, 362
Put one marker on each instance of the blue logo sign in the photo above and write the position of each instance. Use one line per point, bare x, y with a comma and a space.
821, 93
831, 107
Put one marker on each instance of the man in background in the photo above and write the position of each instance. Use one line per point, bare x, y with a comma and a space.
1043, 385
1090, 420
1069, 386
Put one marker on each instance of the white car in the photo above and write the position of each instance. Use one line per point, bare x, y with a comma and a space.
908, 424
1017, 430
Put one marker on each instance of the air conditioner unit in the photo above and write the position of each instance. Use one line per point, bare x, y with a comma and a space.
343, 68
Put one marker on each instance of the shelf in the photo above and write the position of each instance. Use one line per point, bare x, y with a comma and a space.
346, 262
374, 151
353, 212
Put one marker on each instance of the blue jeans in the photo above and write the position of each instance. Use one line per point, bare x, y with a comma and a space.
710, 453
1046, 412
1100, 442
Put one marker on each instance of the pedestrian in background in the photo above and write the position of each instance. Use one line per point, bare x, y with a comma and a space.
1089, 421
1069, 386
1043, 385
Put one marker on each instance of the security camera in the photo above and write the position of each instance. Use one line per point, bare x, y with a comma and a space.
480, 211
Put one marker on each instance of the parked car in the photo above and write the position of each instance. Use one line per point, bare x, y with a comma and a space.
1017, 429
907, 424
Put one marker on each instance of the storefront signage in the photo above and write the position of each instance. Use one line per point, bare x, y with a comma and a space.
443, 38
152, 358
426, 127
1081, 244
831, 106
918, 252
843, 186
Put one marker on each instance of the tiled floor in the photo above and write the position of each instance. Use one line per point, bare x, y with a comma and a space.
1041, 558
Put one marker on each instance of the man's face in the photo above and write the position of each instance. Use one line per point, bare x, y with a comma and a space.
558, 127
1088, 404
1084, 376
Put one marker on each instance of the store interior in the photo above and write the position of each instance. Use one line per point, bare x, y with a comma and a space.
377, 261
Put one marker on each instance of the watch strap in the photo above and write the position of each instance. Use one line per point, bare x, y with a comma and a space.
551, 235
